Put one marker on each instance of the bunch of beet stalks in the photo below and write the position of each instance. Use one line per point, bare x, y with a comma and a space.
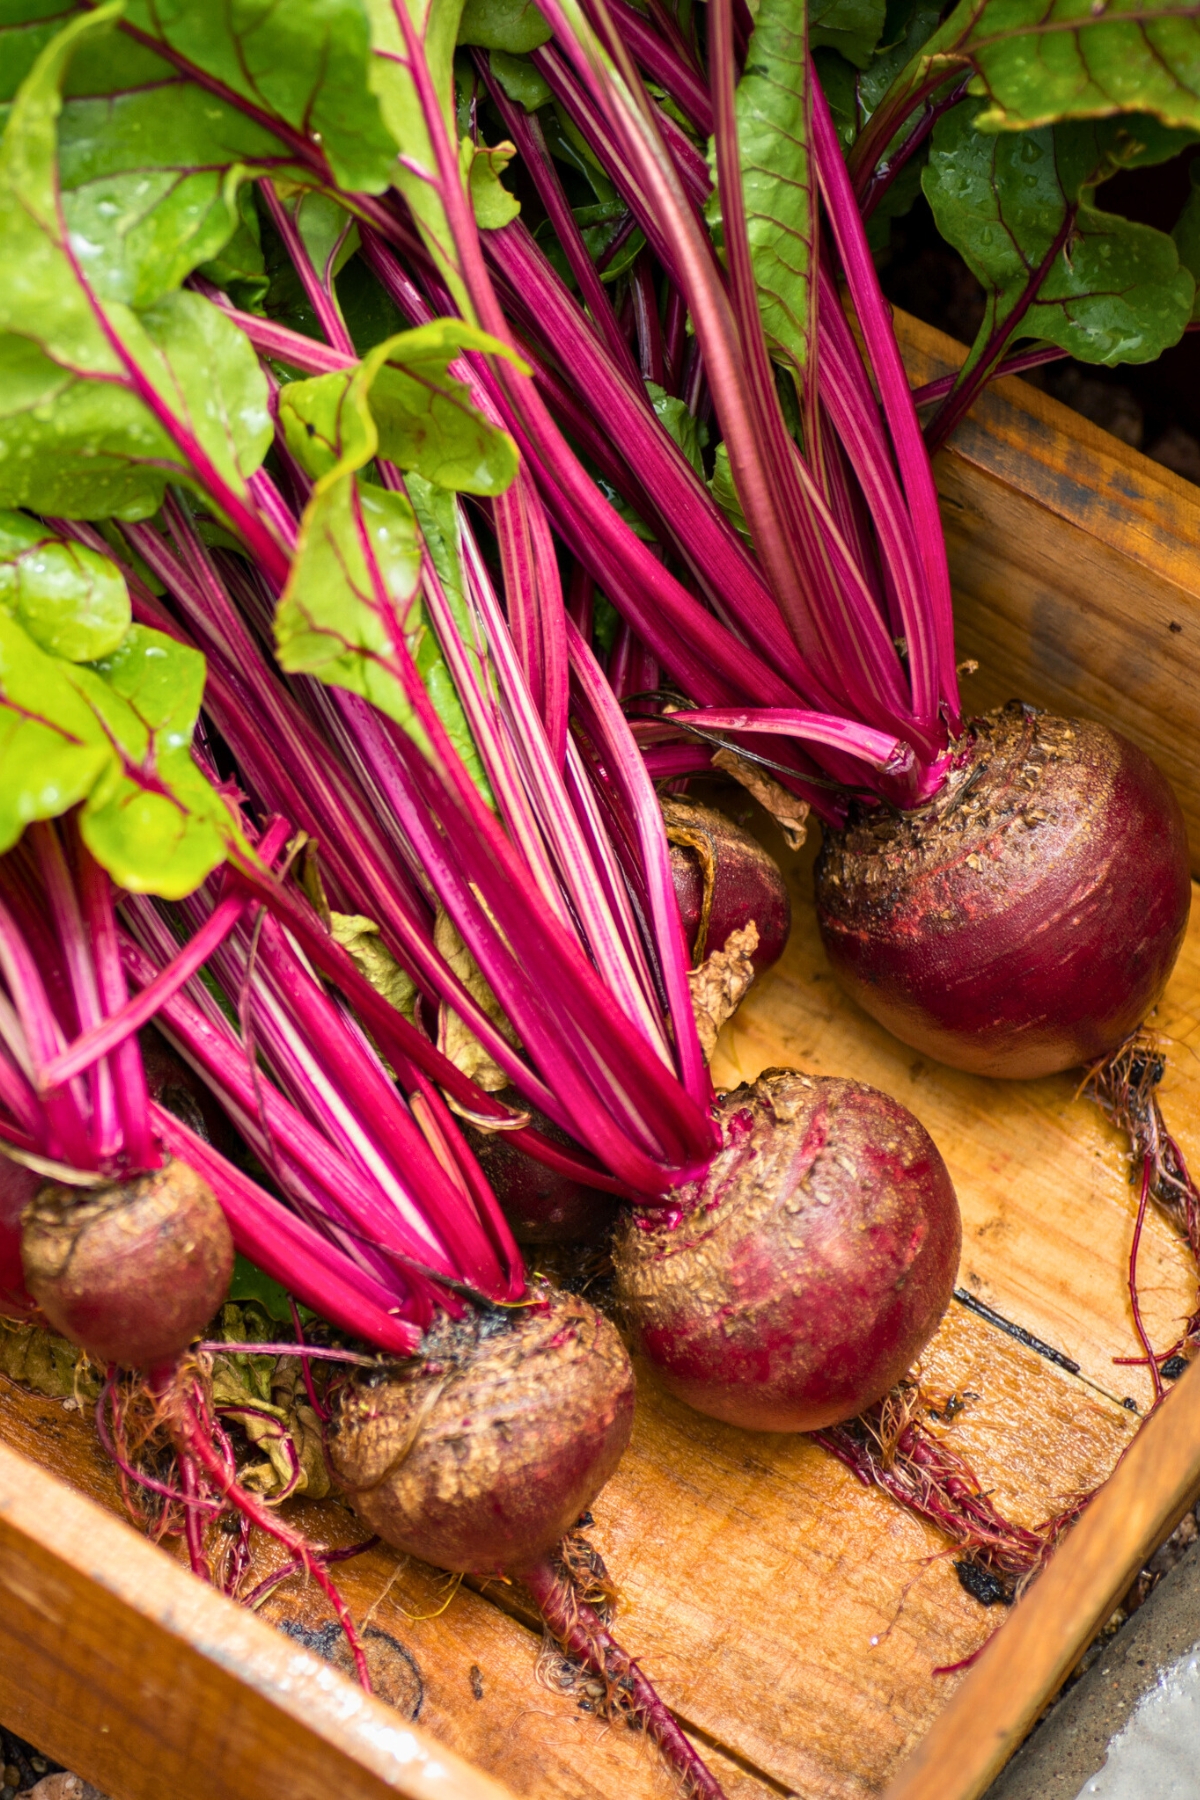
455, 983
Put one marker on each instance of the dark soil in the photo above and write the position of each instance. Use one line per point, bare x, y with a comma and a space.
21, 1766
1155, 407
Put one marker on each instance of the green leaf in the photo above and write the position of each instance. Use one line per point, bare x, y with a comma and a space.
152, 819
494, 206
1187, 236
251, 1283
402, 402
327, 230
207, 373
1116, 292
415, 173
1067, 59
72, 601
725, 494
150, 181
240, 267
520, 80
1040, 61
74, 436
370, 314
116, 736
777, 176
515, 26
853, 27
307, 63
102, 65
437, 515
679, 424
354, 589
52, 750
354, 582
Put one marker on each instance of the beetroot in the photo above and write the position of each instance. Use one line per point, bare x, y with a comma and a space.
542, 1205
1025, 919
709, 851
131, 1271
18, 1185
812, 1262
483, 1452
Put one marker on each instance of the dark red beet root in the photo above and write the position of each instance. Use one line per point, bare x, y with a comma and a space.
133, 1271
746, 882
18, 1185
541, 1206
811, 1265
1026, 919
480, 1455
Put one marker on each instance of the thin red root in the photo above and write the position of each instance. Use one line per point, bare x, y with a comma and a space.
197, 1443
584, 1636
1143, 1336
890, 1448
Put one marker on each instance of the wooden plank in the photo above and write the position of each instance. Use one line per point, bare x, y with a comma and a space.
120, 1663
1073, 559
1002, 1696
422, 1654
791, 1618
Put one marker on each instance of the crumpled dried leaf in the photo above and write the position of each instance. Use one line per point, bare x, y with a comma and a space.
46, 1363
267, 1397
362, 938
721, 983
788, 810
454, 1039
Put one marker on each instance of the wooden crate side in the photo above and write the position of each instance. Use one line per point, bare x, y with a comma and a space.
1075, 563
122, 1665
1024, 1665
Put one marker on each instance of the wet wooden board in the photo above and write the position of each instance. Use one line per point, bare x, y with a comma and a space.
1075, 567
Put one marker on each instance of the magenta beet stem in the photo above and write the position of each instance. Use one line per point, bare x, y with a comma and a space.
582, 1633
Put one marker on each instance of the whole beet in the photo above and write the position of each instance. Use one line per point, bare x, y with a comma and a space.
482, 1453
1025, 919
746, 882
812, 1262
541, 1205
131, 1271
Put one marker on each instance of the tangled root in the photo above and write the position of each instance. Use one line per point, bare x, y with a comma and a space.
889, 1447
575, 1596
1125, 1087
179, 1478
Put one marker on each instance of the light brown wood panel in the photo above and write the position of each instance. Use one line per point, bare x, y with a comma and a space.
1001, 1697
1072, 556
535, 1739
790, 1617
121, 1663
1042, 1179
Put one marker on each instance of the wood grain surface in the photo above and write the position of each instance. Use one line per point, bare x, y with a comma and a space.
117, 1660
1002, 1696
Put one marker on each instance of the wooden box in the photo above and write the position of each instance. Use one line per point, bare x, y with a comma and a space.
792, 1619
